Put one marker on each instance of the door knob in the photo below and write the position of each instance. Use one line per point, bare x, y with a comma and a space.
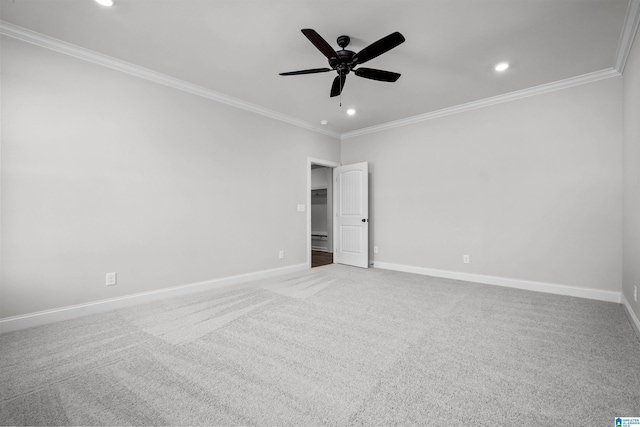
364, 220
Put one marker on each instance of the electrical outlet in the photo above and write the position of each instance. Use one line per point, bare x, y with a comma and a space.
111, 279
281, 255
635, 293
375, 249
465, 259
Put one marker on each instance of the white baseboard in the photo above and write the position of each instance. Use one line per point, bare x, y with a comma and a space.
596, 294
15, 323
633, 319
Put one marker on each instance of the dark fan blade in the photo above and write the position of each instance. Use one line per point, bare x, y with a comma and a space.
320, 43
383, 45
338, 84
380, 75
311, 71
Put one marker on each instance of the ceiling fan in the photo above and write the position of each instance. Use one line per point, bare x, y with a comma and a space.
344, 61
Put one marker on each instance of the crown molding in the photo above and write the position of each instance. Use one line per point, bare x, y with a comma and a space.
632, 20
60, 46
629, 30
511, 96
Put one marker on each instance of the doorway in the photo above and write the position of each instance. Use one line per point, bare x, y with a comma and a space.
321, 215
320, 212
339, 232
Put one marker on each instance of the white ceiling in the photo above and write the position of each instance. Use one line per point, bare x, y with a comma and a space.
236, 48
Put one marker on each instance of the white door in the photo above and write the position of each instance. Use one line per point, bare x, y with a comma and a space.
351, 225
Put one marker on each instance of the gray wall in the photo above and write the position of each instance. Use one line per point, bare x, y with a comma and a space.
104, 172
631, 231
530, 189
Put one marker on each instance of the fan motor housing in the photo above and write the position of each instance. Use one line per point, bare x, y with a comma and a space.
343, 62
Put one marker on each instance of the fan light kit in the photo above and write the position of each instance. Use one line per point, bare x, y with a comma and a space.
502, 66
351, 111
344, 61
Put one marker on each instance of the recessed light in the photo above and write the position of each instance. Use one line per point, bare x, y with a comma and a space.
107, 3
502, 66
324, 122
351, 111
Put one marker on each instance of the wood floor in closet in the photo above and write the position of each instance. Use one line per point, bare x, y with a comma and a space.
319, 258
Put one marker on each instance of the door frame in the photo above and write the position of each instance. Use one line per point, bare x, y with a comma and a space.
319, 162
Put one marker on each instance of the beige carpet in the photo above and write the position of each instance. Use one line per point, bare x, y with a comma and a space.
332, 345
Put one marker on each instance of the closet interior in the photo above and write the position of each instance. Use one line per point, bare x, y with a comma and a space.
321, 215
